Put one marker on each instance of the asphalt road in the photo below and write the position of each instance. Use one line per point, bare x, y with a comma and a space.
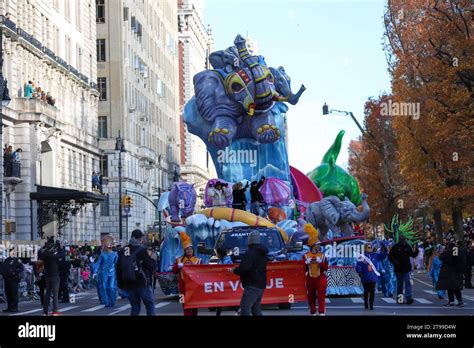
426, 303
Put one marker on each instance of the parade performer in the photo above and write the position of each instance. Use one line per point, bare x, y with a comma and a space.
387, 280
187, 259
106, 278
316, 265
419, 260
368, 273
434, 269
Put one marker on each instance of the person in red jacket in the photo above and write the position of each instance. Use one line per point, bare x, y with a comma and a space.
316, 264
187, 259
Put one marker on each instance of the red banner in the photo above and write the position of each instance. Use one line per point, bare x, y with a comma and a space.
215, 286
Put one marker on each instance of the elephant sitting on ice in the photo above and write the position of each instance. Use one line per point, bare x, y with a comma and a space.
332, 213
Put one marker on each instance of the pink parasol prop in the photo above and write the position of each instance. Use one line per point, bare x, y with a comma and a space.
275, 191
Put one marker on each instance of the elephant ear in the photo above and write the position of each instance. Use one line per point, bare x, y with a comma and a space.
283, 72
330, 209
347, 207
228, 59
217, 59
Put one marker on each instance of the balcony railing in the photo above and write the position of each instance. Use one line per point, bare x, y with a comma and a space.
11, 168
31, 106
8, 23
37, 44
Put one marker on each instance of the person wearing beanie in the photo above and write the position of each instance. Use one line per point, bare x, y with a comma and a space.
253, 275
400, 256
316, 264
187, 259
135, 264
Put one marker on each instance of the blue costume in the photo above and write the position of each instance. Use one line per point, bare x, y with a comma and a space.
434, 274
106, 280
387, 282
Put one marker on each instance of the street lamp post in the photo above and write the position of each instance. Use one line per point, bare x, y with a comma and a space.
159, 195
5, 101
119, 146
326, 111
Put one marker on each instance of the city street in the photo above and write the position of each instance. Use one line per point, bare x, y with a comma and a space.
426, 303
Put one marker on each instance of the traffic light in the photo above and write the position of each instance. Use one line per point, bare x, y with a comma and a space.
129, 201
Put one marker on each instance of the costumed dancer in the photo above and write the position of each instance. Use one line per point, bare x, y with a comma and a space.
419, 260
434, 269
316, 265
378, 247
187, 259
387, 280
368, 273
106, 278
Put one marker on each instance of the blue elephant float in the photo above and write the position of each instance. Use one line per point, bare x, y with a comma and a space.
239, 107
235, 98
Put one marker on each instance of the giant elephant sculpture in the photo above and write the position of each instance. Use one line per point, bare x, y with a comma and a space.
336, 215
234, 100
182, 200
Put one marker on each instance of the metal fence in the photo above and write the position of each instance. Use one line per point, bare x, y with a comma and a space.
27, 289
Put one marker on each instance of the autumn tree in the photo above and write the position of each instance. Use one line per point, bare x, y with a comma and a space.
430, 51
373, 161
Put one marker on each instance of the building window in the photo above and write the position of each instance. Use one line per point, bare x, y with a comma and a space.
104, 207
100, 11
104, 166
102, 86
67, 9
78, 16
102, 127
101, 50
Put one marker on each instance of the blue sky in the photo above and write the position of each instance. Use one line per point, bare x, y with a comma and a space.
333, 47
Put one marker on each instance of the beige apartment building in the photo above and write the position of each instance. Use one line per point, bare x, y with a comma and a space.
195, 45
48, 190
137, 61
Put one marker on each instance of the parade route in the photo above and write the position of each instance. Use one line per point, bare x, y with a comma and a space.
425, 303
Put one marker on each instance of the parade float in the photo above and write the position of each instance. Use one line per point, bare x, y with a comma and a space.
239, 112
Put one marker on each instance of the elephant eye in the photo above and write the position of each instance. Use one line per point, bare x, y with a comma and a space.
236, 87
270, 78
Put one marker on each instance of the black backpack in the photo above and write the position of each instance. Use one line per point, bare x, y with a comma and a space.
130, 266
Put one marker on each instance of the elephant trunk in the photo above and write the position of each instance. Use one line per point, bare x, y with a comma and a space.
294, 98
263, 91
359, 216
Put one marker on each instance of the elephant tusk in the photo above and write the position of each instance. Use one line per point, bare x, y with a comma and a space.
251, 111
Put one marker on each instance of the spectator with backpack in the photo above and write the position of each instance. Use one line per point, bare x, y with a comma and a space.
11, 271
134, 266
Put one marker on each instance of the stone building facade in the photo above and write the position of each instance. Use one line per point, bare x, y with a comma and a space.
53, 44
195, 44
137, 60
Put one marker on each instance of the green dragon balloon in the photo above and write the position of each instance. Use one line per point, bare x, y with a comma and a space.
398, 227
331, 179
